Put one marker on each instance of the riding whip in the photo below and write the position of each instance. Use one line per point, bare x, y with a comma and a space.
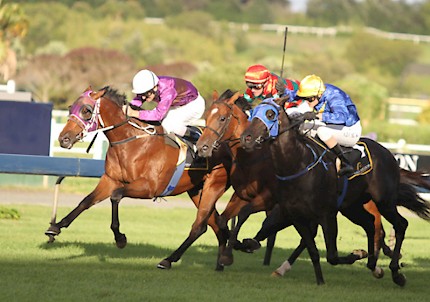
283, 53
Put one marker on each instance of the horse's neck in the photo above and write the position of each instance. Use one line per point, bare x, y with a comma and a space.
238, 127
290, 152
112, 116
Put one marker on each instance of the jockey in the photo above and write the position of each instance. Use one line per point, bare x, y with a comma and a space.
263, 84
338, 124
178, 102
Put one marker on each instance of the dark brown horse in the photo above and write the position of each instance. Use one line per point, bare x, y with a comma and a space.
252, 174
309, 185
140, 163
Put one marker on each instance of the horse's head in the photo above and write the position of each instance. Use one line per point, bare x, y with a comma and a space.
264, 124
222, 120
85, 116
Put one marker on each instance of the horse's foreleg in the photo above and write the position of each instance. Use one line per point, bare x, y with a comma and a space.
307, 232
101, 192
259, 203
212, 190
232, 209
120, 238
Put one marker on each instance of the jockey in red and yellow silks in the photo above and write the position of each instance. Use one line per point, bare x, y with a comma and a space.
263, 84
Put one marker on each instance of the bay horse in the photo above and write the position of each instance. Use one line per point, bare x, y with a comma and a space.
252, 174
309, 189
140, 162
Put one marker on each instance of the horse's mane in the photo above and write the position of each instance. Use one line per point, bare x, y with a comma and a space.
115, 96
241, 102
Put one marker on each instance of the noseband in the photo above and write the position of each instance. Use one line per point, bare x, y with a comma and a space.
220, 134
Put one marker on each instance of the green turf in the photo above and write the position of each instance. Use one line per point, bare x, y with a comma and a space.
83, 264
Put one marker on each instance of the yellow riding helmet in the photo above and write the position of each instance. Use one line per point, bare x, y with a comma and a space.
311, 85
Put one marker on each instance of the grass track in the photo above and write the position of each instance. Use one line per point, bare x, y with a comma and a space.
84, 265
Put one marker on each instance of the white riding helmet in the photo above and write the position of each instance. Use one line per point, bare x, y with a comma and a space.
144, 81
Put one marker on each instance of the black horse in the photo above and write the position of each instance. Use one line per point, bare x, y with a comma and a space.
310, 193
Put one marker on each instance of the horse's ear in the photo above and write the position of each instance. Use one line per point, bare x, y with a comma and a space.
99, 93
234, 98
215, 95
88, 89
281, 101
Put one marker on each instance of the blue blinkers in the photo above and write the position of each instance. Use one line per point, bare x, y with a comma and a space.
260, 113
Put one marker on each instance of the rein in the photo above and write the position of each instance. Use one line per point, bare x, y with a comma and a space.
312, 165
217, 143
96, 119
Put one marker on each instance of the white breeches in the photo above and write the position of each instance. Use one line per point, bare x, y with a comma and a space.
178, 118
345, 136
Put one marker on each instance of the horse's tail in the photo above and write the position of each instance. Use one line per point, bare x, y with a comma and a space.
410, 199
421, 180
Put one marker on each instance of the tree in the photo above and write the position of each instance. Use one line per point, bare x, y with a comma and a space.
13, 25
60, 79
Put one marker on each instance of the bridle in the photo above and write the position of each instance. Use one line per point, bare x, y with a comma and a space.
95, 122
272, 124
220, 134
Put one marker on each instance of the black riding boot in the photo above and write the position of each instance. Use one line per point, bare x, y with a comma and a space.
191, 135
345, 166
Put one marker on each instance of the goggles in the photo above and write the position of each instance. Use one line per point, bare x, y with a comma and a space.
254, 85
146, 95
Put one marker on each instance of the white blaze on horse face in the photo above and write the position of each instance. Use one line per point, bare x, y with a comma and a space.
215, 110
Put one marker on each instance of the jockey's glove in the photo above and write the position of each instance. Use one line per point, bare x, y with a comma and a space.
280, 87
310, 116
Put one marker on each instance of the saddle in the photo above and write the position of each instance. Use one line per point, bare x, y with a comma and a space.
358, 156
189, 140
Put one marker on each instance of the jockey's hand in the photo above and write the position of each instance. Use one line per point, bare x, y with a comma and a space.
310, 116
280, 87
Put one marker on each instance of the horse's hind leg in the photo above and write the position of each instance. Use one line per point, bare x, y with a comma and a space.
362, 217
400, 225
330, 231
273, 223
379, 230
101, 192
120, 239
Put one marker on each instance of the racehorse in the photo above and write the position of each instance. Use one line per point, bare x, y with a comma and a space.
252, 174
309, 188
140, 163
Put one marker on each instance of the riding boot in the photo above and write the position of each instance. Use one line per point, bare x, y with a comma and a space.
345, 166
191, 135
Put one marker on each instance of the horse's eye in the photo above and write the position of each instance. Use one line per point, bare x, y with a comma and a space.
86, 112
222, 118
270, 114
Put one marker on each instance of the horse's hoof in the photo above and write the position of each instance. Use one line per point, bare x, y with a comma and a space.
164, 264
378, 272
399, 279
226, 260
53, 231
51, 238
361, 254
250, 245
219, 267
121, 242
275, 274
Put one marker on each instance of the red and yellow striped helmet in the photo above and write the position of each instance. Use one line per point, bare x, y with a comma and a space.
257, 74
